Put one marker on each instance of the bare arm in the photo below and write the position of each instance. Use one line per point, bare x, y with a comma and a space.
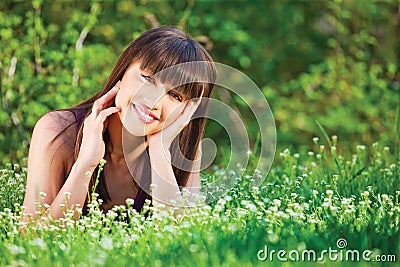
47, 168
163, 177
47, 161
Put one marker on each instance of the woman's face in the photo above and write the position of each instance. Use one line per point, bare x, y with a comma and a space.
147, 106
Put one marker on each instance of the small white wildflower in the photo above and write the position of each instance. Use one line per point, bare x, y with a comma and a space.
221, 202
252, 207
255, 190
228, 198
103, 161
42, 194
129, 201
386, 148
13, 249
277, 202
296, 155
315, 140
152, 187
361, 147
107, 243
310, 153
329, 193
38, 242
88, 174
321, 148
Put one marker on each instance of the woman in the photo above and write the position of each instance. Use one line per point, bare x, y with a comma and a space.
132, 123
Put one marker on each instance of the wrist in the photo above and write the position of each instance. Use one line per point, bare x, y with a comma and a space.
81, 166
159, 151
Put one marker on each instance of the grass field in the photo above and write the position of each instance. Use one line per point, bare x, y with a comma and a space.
311, 202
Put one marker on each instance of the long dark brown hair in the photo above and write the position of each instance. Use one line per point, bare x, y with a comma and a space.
156, 50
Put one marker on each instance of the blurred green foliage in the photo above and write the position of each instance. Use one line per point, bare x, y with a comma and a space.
332, 61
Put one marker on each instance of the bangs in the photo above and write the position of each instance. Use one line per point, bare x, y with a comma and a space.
180, 65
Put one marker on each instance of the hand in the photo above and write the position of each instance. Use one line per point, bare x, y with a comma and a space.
92, 148
164, 138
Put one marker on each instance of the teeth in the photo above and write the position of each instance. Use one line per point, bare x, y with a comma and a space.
144, 115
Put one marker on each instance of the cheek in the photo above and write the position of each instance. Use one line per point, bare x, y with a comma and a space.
174, 111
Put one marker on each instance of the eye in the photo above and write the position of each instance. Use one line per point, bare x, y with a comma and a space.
149, 79
175, 95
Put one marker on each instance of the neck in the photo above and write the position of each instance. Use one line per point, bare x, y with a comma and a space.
123, 147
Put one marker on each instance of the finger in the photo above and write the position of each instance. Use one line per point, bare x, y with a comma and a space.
105, 100
193, 107
187, 113
102, 116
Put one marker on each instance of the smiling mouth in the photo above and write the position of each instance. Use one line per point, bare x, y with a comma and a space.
144, 114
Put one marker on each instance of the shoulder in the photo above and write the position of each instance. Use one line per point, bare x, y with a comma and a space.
56, 128
56, 119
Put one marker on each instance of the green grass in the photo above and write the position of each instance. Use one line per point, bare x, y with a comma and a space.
308, 201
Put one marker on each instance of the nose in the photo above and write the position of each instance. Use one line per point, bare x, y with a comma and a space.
154, 97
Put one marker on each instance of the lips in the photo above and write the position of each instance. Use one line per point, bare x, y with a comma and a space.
145, 114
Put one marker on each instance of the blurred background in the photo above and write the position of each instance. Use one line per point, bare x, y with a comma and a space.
335, 62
